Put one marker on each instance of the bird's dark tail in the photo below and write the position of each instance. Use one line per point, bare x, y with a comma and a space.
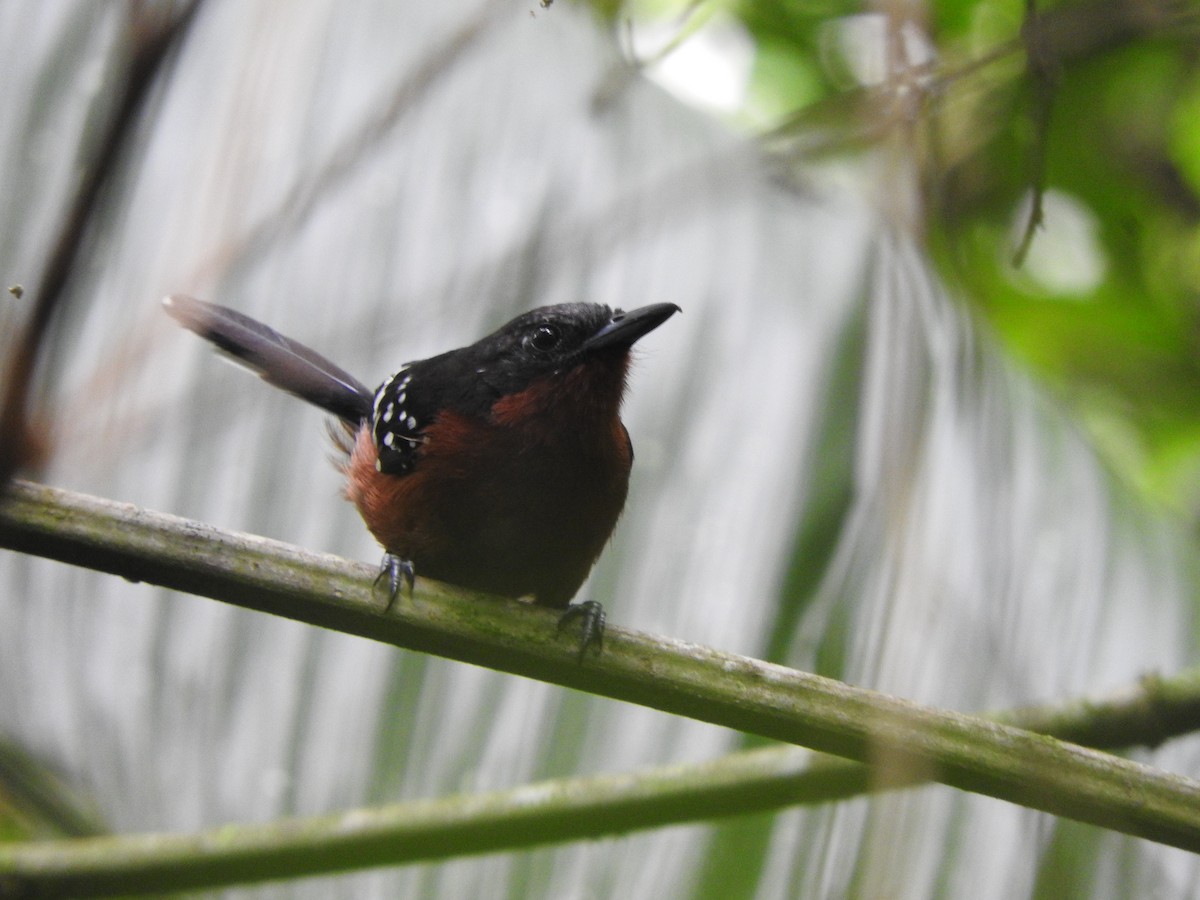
278, 360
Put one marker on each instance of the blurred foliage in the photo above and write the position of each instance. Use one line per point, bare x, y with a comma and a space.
36, 803
1083, 115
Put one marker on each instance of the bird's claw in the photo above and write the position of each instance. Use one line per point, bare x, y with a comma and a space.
591, 629
394, 572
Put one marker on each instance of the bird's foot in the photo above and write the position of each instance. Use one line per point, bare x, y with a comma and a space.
591, 629
394, 572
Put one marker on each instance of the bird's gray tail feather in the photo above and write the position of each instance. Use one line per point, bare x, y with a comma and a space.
278, 360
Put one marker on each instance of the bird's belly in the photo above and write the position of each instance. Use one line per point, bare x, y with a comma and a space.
529, 523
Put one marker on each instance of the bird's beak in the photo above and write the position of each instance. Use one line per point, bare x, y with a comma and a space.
625, 328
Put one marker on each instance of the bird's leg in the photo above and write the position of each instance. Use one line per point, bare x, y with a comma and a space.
394, 571
591, 629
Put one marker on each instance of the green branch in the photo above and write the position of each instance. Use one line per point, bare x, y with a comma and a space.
544, 813
905, 743
549, 812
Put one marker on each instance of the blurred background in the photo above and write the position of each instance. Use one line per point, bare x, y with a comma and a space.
928, 422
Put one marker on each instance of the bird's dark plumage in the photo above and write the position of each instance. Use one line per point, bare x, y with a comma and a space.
501, 466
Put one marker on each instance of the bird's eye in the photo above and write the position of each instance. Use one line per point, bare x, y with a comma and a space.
544, 337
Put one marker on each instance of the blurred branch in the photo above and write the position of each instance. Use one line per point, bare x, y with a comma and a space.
151, 34
550, 812
904, 743
1156, 710
538, 814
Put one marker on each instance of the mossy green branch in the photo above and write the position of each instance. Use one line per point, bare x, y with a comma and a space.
902, 742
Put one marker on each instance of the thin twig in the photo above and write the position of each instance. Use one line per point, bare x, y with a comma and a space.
1043, 71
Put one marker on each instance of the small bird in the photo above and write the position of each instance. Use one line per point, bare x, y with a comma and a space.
501, 467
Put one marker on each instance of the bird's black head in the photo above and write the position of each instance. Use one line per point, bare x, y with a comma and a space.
554, 339
551, 364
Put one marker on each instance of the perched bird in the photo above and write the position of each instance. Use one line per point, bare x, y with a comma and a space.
501, 466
